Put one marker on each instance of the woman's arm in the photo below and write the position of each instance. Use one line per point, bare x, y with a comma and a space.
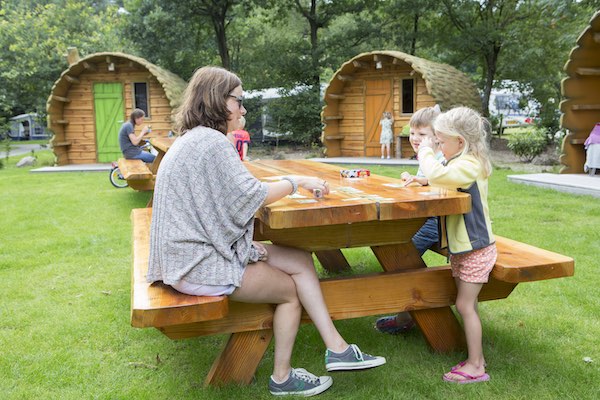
284, 187
135, 140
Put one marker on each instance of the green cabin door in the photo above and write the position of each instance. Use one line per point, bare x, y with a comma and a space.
108, 106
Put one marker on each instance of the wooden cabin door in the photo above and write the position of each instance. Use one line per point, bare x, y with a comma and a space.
109, 112
378, 98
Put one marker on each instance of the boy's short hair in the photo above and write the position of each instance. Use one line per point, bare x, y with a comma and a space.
424, 117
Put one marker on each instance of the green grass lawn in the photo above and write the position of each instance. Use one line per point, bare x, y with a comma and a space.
65, 255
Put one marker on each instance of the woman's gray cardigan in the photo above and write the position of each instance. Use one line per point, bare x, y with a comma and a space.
203, 212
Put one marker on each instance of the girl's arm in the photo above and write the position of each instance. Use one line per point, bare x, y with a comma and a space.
245, 151
461, 172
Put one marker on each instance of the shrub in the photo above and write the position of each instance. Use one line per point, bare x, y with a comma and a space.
529, 144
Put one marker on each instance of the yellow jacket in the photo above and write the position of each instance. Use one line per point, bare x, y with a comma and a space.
464, 173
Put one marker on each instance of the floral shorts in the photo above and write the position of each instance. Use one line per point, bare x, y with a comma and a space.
474, 266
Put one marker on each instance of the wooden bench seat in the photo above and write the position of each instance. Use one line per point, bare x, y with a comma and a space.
181, 316
159, 305
137, 174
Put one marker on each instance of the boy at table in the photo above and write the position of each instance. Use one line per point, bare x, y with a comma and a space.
421, 126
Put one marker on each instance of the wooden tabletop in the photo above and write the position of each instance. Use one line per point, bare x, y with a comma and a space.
162, 143
351, 200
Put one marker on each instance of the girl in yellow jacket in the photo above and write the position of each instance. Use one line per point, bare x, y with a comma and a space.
461, 136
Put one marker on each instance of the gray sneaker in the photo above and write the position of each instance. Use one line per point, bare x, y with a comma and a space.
351, 358
300, 383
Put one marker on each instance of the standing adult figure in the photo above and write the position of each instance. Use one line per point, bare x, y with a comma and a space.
203, 223
130, 142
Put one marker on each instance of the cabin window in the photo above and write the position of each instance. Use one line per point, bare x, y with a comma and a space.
408, 95
140, 97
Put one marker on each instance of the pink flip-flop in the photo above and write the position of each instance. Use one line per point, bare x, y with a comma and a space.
468, 378
462, 364
459, 365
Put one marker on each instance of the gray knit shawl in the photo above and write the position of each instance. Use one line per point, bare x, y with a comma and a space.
203, 212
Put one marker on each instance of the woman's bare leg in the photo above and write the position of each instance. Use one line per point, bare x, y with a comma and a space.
263, 283
298, 264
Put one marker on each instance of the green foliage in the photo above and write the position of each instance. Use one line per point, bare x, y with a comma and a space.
298, 113
528, 144
33, 42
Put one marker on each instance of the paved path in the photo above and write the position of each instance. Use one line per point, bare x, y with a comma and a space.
569, 183
21, 149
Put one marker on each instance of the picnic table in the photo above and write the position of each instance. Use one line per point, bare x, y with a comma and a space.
375, 212
139, 175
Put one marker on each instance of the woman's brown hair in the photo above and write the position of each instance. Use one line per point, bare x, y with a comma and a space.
135, 114
204, 100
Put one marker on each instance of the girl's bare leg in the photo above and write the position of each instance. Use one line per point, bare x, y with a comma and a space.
466, 304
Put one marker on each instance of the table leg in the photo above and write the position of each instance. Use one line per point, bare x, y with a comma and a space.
239, 359
156, 162
333, 260
440, 327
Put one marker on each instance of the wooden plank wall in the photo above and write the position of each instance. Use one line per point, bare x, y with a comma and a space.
80, 131
352, 106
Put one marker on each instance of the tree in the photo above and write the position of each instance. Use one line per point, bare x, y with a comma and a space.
34, 37
160, 27
483, 29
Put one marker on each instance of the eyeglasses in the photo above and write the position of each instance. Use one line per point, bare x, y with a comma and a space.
240, 99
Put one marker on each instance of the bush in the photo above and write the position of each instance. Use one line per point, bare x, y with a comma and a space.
529, 144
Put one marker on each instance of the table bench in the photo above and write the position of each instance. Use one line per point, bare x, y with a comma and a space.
419, 290
137, 174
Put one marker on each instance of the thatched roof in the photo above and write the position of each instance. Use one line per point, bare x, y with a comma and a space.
447, 85
172, 84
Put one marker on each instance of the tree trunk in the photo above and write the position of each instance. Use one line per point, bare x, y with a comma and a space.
314, 44
413, 42
491, 63
221, 36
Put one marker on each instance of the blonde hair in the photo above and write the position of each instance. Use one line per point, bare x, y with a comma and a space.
204, 101
472, 127
424, 117
242, 122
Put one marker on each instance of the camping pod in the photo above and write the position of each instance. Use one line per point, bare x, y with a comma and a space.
371, 83
95, 95
581, 92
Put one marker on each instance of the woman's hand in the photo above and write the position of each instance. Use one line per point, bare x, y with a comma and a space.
311, 183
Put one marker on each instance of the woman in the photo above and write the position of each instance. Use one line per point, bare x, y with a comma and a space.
129, 141
202, 227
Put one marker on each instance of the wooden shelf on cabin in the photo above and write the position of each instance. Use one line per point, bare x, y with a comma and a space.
588, 71
577, 141
61, 122
61, 144
334, 137
333, 117
585, 107
336, 96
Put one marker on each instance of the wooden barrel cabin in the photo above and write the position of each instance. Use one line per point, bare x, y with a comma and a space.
580, 107
371, 83
96, 94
